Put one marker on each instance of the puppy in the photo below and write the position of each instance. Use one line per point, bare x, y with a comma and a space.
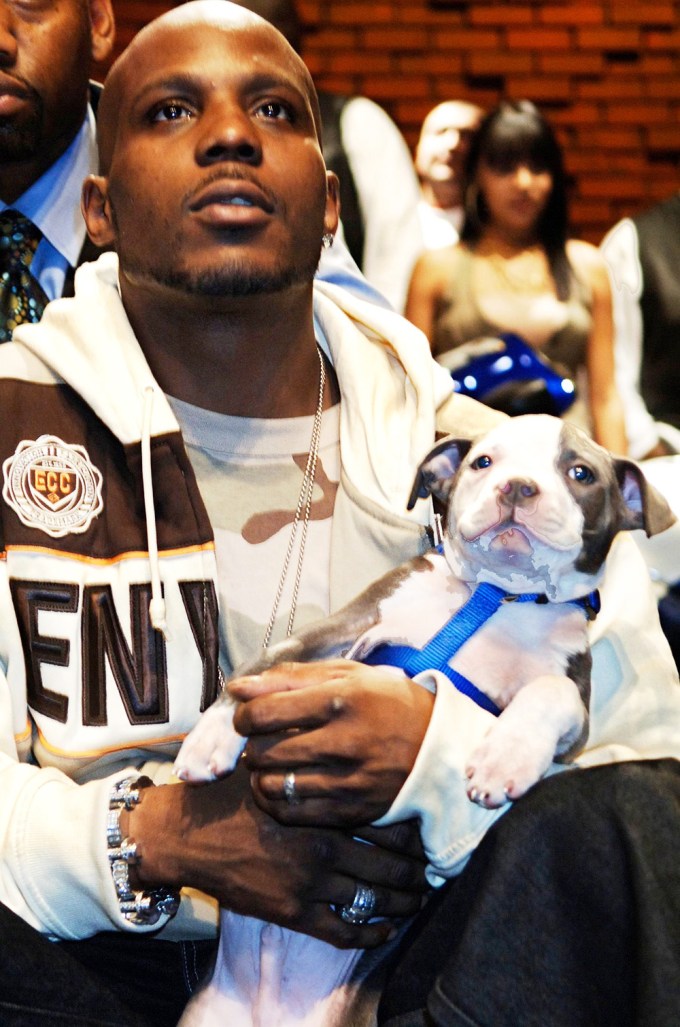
501, 608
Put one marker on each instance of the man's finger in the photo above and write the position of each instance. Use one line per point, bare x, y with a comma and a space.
286, 677
283, 710
402, 837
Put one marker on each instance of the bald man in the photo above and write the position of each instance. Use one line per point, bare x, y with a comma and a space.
215, 196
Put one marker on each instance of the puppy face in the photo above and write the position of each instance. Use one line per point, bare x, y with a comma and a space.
534, 505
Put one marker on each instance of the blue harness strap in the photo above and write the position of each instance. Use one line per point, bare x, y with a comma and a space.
436, 653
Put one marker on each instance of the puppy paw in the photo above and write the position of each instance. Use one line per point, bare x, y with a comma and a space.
484, 794
500, 773
213, 747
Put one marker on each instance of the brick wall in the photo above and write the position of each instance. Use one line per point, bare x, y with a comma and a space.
606, 72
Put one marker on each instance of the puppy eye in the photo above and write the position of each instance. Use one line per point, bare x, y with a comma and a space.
481, 462
581, 474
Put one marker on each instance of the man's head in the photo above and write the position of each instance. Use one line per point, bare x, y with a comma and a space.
442, 148
213, 182
281, 14
46, 47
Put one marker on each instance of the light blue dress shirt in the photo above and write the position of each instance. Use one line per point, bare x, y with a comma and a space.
53, 204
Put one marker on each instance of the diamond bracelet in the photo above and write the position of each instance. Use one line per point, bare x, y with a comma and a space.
149, 908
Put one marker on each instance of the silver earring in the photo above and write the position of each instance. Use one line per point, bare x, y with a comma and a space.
327, 240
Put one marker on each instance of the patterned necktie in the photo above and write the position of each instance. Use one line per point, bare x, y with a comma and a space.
21, 296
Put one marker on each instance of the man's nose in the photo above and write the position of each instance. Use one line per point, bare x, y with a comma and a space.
229, 134
8, 37
452, 139
523, 176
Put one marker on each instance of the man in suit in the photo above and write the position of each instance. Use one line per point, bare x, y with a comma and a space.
47, 132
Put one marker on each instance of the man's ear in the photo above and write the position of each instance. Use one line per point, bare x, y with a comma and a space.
97, 211
102, 28
332, 215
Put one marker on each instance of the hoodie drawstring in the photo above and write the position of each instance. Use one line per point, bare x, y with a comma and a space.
157, 613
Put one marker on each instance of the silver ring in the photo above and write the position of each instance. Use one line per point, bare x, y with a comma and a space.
289, 789
361, 908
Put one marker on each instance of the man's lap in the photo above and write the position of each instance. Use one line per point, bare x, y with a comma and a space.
570, 907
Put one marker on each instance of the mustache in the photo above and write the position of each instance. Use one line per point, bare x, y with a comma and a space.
227, 174
16, 85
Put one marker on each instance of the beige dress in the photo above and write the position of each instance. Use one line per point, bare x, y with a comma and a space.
482, 301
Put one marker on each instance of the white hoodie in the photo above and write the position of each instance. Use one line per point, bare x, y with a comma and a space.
81, 565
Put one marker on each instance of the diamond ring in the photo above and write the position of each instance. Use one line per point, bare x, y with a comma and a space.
361, 908
289, 789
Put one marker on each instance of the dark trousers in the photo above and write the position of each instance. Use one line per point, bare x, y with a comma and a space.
568, 915
111, 980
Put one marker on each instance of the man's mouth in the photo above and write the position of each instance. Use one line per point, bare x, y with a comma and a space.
13, 97
231, 193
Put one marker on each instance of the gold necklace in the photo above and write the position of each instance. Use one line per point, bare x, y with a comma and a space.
519, 274
304, 503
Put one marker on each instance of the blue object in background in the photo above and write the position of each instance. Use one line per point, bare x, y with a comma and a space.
515, 379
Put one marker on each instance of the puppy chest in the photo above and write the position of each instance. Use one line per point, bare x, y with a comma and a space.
520, 642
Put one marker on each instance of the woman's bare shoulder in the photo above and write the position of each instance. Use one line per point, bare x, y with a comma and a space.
438, 265
587, 261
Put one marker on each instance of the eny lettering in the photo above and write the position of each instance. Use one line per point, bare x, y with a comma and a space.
139, 668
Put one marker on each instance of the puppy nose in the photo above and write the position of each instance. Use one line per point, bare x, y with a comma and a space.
518, 491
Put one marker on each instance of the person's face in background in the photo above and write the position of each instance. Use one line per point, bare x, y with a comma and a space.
515, 193
443, 146
46, 47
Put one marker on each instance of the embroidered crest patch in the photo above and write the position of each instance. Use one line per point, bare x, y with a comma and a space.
53, 486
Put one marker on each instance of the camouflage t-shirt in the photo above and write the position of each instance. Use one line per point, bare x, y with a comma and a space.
249, 473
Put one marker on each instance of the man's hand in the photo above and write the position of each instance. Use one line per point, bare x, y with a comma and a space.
215, 838
349, 733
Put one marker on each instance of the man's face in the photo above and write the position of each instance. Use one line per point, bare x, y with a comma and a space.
445, 140
216, 184
45, 52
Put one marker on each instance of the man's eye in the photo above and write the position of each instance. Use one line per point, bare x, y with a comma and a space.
275, 110
171, 110
582, 474
481, 462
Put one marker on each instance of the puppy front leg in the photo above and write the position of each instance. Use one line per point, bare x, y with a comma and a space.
213, 747
543, 720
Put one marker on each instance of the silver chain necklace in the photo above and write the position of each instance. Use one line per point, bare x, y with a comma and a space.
304, 503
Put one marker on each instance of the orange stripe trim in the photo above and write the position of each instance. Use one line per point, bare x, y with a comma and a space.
26, 733
91, 753
206, 547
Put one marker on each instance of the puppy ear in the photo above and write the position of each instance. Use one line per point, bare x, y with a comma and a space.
438, 469
645, 507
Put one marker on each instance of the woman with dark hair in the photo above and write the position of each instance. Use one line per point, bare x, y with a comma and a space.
515, 269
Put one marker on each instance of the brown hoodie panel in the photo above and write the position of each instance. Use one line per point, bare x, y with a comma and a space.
30, 411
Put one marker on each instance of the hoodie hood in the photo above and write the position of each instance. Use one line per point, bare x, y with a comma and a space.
390, 387
87, 342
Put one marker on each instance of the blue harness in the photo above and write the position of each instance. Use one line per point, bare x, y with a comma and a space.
436, 653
